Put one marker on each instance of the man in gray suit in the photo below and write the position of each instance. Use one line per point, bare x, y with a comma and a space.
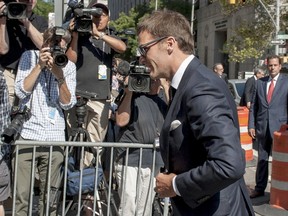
199, 140
267, 113
218, 68
246, 98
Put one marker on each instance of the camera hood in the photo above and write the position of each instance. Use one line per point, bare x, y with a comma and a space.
16, 10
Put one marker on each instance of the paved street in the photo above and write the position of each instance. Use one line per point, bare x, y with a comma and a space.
261, 205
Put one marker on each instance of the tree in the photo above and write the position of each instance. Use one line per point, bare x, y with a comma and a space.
251, 38
130, 21
122, 24
43, 8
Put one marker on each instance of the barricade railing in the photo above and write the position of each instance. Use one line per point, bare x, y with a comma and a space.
105, 201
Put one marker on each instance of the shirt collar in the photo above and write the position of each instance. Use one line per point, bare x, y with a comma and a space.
275, 78
179, 73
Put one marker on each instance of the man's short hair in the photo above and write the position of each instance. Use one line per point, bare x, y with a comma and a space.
216, 64
259, 69
274, 57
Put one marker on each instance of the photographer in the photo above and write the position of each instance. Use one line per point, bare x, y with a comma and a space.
5, 183
46, 88
93, 54
140, 116
22, 34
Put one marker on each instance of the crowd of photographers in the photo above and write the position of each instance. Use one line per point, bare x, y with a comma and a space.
38, 68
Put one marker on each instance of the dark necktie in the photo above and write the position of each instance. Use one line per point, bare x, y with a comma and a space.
270, 91
172, 92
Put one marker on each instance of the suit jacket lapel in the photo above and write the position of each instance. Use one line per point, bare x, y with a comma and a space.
172, 112
186, 77
265, 83
277, 87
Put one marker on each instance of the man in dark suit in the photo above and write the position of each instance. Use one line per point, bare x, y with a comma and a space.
246, 98
267, 113
219, 70
199, 140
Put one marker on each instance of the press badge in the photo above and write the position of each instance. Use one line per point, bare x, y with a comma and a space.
102, 72
52, 115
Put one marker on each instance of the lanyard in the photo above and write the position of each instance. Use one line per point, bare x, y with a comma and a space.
48, 82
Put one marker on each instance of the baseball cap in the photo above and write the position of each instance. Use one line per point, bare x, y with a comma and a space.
99, 5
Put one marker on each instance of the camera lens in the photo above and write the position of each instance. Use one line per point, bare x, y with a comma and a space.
16, 10
61, 60
139, 83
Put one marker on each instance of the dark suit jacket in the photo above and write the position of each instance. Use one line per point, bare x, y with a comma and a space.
203, 148
275, 112
224, 77
248, 91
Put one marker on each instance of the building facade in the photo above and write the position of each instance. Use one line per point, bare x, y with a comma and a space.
213, 30
118, 6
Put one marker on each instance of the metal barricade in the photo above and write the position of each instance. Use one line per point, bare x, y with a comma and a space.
105, 197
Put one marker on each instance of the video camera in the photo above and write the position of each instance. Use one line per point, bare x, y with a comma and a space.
139, 78
18, 115
15, 10
57, 52
83, 20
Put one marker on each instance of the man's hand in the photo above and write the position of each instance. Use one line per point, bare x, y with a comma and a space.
252, 133
2, 7
164, 185
45, 58
248, 105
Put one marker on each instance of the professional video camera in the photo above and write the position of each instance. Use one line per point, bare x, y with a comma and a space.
18, 115
15, 10
83, 20
139, 78
57, 52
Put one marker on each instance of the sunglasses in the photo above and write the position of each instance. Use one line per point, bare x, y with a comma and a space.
143, 49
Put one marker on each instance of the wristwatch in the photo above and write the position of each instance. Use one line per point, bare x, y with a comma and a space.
61, 81
101, 35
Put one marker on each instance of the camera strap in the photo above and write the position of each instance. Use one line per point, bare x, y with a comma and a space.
103, 51
93, 42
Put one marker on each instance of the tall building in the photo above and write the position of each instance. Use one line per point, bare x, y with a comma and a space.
213, 30
118, 6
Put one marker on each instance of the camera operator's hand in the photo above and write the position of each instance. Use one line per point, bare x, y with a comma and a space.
125, 83
72, 25
73, 46
2, 8
95, 32
45, 58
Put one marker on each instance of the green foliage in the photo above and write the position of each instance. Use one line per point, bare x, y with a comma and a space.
135, 14
251, 38
246, 41
43, 8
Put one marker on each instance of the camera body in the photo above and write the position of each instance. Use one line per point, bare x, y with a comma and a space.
139, 75
83, 20
19, 114
139, 78
15, 10
57, 52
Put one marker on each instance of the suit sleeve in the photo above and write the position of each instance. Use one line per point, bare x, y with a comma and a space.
253, 108
212, 122
249, 90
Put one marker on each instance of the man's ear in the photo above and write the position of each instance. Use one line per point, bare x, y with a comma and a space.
170, 44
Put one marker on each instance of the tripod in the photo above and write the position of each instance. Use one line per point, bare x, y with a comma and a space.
82, 135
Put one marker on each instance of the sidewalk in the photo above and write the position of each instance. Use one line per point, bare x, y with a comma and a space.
261, 204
